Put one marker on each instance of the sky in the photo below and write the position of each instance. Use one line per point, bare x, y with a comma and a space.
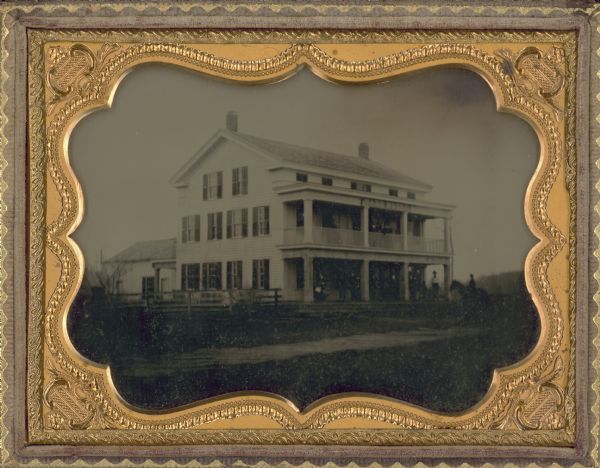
439, 126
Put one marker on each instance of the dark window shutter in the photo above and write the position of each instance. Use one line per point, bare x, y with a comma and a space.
196, 276
254, 274
245, 222
245, 180
267, 220
220, 184
219, 222
240, 274
266, 273
197, 228
229, 275
255, 221
219, 273
205, 276
205, 186
210, 226
229, 223
183, 277
234, 182
184, 230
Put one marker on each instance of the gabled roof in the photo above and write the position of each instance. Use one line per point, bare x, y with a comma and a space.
288, 154
163, 249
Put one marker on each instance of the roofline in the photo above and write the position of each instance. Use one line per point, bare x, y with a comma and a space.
299, 187
154, 259
421, 188
175, 179
224, 133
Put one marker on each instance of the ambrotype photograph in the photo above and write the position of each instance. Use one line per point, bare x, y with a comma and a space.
303, 238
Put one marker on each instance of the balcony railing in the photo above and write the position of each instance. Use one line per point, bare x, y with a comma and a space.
377, 240
293, 236
386, 241
422, 244
334, 236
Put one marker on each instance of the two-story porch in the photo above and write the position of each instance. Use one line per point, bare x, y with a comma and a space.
357, 246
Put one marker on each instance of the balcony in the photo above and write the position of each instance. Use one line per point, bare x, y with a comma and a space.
377, 240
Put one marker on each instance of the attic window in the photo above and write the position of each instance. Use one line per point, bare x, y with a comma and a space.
301, 177
360, 186
327, 181
393, 192
410, 195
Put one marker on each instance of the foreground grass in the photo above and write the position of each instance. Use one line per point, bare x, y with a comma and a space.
445, 375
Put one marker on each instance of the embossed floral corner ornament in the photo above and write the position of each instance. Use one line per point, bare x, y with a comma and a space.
73, 401
537, 74
71, 69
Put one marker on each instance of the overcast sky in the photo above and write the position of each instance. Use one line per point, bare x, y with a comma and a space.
438, 126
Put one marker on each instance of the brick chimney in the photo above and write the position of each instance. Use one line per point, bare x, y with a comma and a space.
231, 121
363, 150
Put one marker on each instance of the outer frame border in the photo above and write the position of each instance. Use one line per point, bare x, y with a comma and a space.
17, 17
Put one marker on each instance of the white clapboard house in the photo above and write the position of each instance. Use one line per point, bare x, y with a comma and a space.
255, 213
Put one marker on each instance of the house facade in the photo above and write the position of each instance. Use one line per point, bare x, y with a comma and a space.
260, 214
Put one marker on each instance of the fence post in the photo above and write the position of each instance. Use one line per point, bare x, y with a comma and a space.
276, 298
189, 301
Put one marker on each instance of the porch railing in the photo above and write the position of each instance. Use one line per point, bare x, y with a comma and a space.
293, 236
386, 241
352, 238
334, 236
423, 244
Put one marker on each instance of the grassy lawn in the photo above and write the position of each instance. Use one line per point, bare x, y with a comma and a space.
448, 374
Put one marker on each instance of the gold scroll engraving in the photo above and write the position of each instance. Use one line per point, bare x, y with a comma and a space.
534, 83
537, 74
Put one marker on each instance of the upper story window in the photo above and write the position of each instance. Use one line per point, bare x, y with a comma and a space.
300, 177
411, 195
213, 186
215, 226
260, 274
190, 276
190, 229
211, 275
239, 181
237, 223
360, 186
326, 181
393, 192
260, 221
234, 275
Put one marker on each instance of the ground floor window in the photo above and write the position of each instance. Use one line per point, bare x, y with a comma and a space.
190, 276
234, 275
260, 274
148, 286
211, 275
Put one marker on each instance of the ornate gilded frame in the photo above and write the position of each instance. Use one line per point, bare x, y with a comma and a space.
534, 74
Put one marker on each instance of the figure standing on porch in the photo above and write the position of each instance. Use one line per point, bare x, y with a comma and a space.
472, 284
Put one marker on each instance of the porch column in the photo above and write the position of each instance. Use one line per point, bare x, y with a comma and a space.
448, 272
404, 229
364, 281
405, 286
365, 224
308, 221
448, 243
157, 283
309, 286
